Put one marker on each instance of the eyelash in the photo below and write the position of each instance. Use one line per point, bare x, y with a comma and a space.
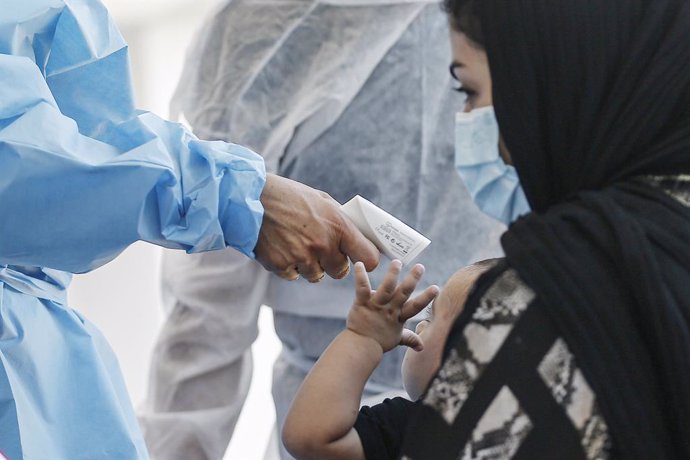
467, 92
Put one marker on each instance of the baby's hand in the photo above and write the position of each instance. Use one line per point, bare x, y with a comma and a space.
381, 314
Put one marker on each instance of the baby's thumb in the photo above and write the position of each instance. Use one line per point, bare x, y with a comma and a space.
412, 340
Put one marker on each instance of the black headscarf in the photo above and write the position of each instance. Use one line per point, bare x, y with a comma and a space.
589, 95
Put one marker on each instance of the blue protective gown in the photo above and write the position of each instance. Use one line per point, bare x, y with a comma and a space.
83, 175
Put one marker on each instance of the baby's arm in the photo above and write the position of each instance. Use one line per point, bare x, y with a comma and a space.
321, 420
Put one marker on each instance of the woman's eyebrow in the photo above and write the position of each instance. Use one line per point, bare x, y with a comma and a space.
453, 67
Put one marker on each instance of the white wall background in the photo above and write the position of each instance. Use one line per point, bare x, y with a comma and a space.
123, 298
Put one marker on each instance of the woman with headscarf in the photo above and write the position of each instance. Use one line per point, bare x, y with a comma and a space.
578, 344
593, 103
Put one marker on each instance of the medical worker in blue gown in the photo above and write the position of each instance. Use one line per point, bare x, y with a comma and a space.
83, 175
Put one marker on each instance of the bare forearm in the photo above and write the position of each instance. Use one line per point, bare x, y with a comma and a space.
320, 424
326, 406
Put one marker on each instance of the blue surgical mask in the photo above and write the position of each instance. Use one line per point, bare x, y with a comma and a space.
493, 185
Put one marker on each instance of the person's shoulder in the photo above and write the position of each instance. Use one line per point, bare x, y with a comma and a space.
505, 285
500, 294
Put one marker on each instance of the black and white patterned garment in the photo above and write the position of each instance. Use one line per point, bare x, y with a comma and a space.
677, 187
509, 386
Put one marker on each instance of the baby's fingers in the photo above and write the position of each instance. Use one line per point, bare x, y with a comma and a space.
417, 304
409, 284
412, 340
362, 286
385, 291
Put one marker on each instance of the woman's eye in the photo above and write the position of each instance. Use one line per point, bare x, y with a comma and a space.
467, 92
468, 98
471, 94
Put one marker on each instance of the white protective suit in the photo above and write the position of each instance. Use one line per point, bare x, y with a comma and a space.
349, 97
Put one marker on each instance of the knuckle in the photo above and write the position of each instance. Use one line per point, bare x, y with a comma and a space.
281, 265
302, 258
316, 246
312, 268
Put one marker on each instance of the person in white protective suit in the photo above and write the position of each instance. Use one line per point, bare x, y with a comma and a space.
347, 96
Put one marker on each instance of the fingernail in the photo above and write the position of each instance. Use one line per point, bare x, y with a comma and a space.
343, 273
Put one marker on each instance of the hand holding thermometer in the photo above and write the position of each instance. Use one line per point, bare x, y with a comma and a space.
390, 235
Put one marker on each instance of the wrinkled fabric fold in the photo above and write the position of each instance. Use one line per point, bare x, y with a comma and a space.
41, 283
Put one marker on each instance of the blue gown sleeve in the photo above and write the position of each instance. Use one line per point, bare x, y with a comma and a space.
83, 174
